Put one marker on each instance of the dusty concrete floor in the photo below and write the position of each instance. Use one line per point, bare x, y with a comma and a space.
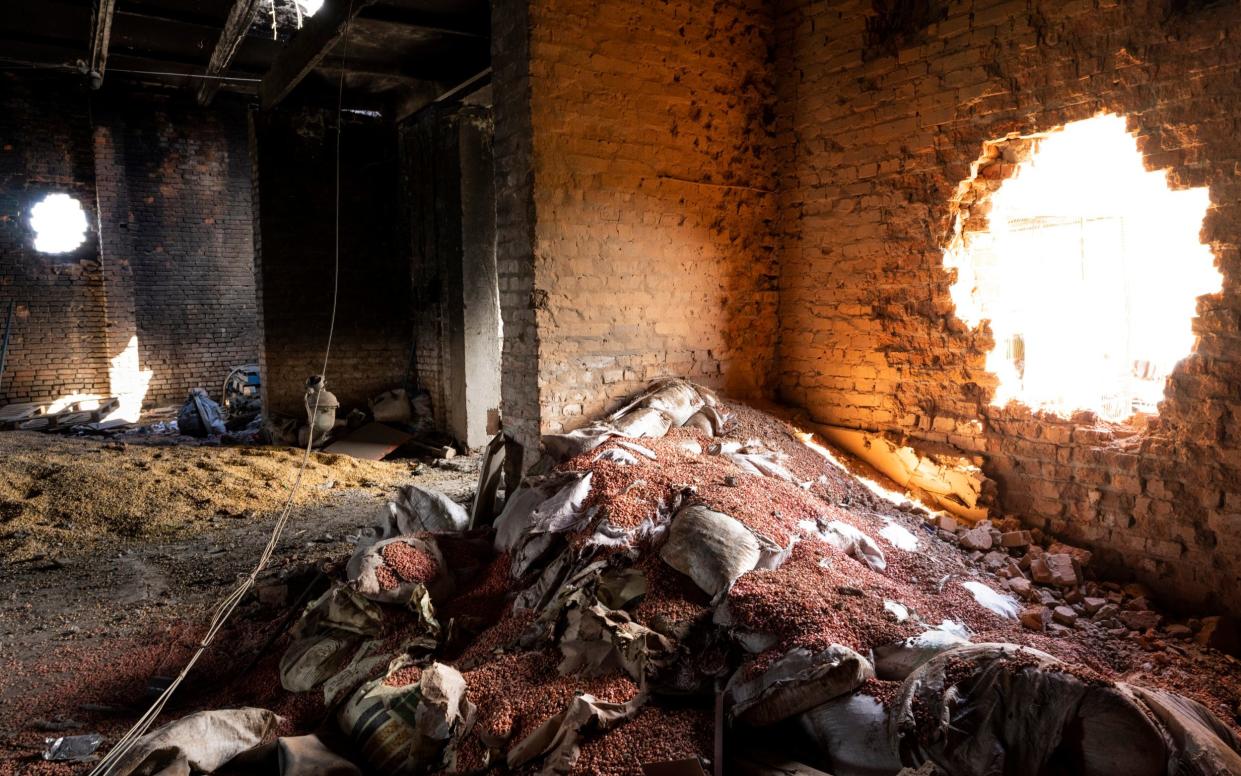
97, 600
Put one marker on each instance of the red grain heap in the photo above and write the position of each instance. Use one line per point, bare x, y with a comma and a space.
410, 563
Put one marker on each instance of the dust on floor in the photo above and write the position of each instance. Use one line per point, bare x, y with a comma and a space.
113, 556
59, 491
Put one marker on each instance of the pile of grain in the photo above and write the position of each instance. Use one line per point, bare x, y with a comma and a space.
64, 489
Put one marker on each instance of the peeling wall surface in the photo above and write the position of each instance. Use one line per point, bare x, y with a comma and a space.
879, 121
163, 286
514, 173
651, 190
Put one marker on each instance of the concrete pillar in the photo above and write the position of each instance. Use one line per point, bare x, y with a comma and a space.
449, 193
474, 388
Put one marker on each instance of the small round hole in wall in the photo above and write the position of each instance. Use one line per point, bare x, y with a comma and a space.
59, 224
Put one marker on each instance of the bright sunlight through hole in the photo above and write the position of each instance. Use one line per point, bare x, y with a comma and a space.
59, 224
1089, 273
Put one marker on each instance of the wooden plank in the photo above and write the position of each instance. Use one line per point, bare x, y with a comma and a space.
687, 767
307, 49
372, 442
240, 17
101, 33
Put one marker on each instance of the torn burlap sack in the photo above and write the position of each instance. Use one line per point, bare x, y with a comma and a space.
200, 743
557, 739
408, 729
797, 682
710, 548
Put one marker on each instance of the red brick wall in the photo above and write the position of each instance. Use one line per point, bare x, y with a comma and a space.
651, 191
176, 264
174, 189
57, 346
875, 134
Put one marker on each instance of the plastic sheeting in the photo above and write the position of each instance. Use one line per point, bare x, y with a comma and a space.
998, 603
667, 403
990, 709
900, 659
200, 416
852, 731
848, 540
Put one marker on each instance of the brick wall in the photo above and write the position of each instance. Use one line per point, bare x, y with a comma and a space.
879, 121
514, 154
651, 251
295, 162
430, 183
57, 345
174, 189
175, 268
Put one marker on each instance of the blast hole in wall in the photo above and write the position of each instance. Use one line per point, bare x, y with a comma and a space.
59, 224
1087, 266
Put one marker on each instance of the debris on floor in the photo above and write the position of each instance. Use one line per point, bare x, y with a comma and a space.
688, 550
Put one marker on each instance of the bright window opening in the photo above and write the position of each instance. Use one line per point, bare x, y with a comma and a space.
59, 224
1089, 270
309, 7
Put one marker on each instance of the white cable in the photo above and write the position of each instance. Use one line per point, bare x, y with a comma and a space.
226, 607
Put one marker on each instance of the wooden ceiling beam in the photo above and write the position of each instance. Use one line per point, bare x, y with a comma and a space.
437, 24
101, 33
240, 18
307, 49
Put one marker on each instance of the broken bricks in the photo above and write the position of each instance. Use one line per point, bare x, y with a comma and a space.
977, 538
1055, 569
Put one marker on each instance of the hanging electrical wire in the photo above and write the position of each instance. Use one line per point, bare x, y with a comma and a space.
226, 607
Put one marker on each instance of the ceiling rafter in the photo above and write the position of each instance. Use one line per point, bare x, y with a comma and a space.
240, 17
101, 33
307, 49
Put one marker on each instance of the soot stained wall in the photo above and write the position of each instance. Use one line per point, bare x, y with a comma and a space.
169, 185
448, 186
57, 345
295, 159
174, 190
879, 123
649, 192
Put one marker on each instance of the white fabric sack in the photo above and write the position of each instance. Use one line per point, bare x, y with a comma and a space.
200, 742
710, 548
